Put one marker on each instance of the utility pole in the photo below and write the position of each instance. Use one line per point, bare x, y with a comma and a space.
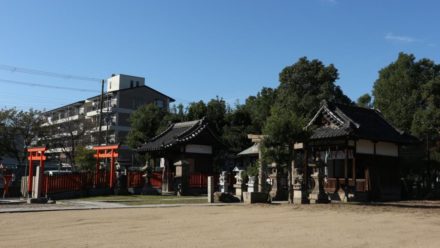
101, 103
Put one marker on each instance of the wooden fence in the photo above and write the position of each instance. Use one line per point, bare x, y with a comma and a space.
80, 181
73, 182
200, 180
334, 184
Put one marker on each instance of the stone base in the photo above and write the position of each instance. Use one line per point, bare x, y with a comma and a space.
225, 197
255, 197
40, 200
316, 198
121, 191
299, 197
150, 190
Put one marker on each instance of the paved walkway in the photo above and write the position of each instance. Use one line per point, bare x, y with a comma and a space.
20, 206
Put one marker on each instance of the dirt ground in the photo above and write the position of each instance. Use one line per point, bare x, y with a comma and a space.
334, 225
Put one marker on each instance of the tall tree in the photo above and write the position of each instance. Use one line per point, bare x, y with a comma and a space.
20, 130
216, 111
259, 108
238, 125
396, 91
364, 101
145, 123
306, 83
302, 86
196, 110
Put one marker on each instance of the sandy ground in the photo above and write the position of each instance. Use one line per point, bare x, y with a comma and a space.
335, 225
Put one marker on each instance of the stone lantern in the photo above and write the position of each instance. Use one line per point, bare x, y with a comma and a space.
224, 182
239, 184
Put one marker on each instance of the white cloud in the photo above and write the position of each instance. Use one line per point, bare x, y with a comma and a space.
400, 38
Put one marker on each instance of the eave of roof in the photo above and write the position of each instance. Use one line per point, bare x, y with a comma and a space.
359, 123
252, 150
175, 134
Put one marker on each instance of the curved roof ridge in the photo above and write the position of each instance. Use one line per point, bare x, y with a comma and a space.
162, 133
341, 113
186, 123
401, 132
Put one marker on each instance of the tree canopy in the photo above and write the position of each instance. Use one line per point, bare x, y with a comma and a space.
303, 86
364, 101
18, 130
145, 123
406, 92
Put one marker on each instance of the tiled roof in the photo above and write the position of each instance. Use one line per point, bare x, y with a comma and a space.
357, 122
176, 133
326, 132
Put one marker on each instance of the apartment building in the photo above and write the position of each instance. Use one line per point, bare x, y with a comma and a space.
78, 122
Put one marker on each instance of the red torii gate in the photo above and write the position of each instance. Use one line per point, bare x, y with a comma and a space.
35, 154
109, 151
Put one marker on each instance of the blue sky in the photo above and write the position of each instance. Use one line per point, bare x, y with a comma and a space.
192, 50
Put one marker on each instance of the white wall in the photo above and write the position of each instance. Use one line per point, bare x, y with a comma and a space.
382, 148
364, 147
387, 149
119, 82
201, 149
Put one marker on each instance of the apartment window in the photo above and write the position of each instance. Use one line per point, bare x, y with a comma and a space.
131, 83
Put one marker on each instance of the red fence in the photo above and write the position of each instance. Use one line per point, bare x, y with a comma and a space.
156, 179
334, 184
200, 180
135, 179
73, 182
79, 181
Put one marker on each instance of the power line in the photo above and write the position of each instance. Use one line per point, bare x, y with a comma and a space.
48, 86
12, 68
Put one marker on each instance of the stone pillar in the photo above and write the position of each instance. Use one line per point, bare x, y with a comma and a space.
290, 181
299, 189
210, 189
252, 184
260, 171
165, 175
37, 183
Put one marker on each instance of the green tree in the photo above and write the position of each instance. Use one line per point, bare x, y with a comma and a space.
406, 87
306, 83
396, 91
19, 129
303, 86
216, 111
259, 108
238, 125
364, 101
283, 128
84, 159
196, 110
427, 116
145, 123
